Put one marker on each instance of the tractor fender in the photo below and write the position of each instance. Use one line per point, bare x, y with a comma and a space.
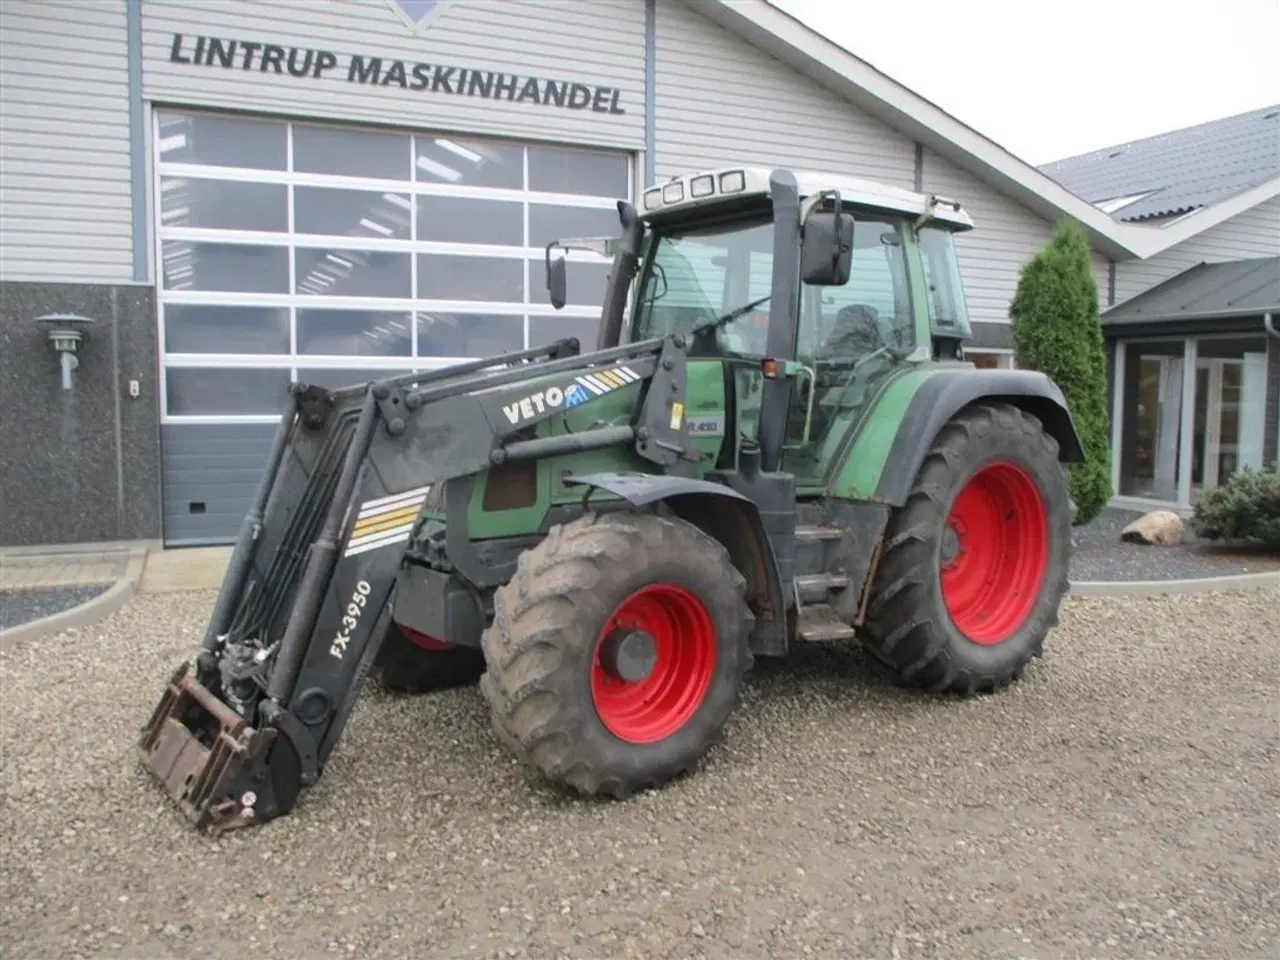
948, 392
727, 516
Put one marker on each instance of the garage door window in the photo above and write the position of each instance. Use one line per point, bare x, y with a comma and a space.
324, 253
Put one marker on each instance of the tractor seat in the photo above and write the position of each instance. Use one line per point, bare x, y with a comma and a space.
855, 333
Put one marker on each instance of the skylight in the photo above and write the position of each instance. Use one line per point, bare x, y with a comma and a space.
1119, 203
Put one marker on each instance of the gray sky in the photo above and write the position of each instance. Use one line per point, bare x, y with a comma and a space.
1090, 74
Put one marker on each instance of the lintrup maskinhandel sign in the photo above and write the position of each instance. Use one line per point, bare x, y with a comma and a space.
307, 63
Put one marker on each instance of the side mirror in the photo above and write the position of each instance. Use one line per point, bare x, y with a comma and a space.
556, 284
826, 250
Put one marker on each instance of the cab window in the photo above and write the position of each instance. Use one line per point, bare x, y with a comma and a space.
854, 338
872, 311
947, 313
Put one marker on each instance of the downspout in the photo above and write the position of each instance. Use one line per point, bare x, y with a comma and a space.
650, 93
1269, 324
137, 140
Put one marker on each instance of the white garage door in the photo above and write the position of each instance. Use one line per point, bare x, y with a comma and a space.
336, 254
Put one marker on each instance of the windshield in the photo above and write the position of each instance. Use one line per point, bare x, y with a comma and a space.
704, 274
700, 275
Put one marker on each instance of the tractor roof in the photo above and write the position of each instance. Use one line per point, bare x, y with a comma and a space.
709, 187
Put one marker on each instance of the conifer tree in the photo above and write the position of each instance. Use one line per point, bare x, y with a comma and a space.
1056, 330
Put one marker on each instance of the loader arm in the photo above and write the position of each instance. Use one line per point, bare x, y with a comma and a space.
304, 603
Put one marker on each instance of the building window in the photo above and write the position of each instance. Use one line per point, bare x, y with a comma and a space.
307, 251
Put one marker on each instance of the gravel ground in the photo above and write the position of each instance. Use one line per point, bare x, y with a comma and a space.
1122, 801
20, 606
1100, 554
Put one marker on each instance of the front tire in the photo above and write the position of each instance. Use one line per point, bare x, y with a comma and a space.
975, 563
410, 663
617, 652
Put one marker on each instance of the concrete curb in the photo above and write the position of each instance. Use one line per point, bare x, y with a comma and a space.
1159, 588
99, 608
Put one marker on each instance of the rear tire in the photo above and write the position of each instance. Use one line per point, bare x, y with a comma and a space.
975, 563
410, 664
556, 661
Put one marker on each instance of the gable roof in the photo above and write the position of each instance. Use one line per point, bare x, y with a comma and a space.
1238, 288
781, 35
1177, 171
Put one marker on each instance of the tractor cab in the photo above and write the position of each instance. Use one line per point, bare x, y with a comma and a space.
852, 289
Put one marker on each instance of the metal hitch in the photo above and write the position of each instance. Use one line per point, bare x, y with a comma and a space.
205, 754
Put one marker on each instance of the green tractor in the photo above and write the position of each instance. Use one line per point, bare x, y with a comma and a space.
777, 440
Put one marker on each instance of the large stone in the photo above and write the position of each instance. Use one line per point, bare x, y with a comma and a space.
1160, 527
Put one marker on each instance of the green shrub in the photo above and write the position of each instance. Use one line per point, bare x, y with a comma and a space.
1056, 330
1246, 508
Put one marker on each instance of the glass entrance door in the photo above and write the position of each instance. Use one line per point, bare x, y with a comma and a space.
1228, 418
1152, 421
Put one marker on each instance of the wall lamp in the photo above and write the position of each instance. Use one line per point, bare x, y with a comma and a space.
66, 330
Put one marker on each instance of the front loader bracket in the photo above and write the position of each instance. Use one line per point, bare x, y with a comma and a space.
206, 755
314, 404
299, 737
392, 406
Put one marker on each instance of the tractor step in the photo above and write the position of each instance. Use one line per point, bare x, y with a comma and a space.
819, 624
806, 533
816, 587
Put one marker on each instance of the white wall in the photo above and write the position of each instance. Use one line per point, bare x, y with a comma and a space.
1254, 233
1005, 236
596, 44
721, 101
65, 200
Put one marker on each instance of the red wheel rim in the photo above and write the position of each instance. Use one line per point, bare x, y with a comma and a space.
684, 642
994, 553
424, 642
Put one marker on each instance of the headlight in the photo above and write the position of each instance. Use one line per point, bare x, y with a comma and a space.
702, 186
735, 181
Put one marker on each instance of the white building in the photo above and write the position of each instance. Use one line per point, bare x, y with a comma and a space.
250, 191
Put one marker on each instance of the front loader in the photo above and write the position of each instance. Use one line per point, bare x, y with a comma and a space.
777, 440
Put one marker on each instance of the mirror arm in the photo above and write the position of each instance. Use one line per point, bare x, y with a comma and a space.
837, 207
814, 202
547, 259
811, 203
